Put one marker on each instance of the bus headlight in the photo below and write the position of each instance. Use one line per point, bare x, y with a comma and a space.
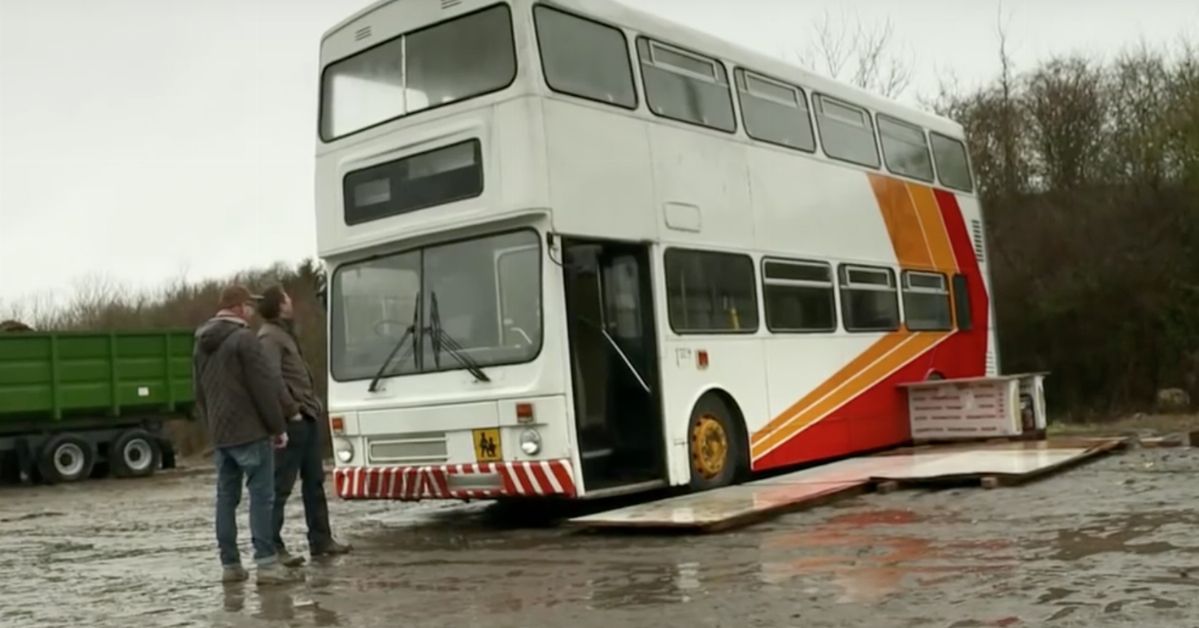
343, 449
530, 442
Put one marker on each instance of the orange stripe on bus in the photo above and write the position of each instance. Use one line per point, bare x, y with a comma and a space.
885, 345
921, 241
934, 228
912, 347
903, 223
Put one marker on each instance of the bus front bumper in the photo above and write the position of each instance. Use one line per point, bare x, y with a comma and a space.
549, 478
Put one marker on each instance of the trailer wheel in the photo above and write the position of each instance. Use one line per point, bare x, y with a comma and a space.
135, 454
716, 451
66, 458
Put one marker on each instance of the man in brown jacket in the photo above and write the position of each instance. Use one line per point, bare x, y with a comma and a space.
237, 395
302, 456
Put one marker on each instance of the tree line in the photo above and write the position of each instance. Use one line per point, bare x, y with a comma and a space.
1089, 178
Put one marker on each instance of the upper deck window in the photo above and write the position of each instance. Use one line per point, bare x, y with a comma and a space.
442, 64
953, 168
905, 149
775, 112
585, 58
846, 132
684, 86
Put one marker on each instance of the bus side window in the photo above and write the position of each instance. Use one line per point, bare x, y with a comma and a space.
961, 302
585, 58
711, 293
926, 304
846, 132
685, 86
869, 299
905, 148
953, 166
775, 112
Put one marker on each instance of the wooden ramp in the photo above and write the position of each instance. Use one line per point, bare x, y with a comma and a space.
990, 464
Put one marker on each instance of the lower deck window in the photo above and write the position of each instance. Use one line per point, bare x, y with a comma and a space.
926, 302
711, 292
961, 302
799, 297
868, 299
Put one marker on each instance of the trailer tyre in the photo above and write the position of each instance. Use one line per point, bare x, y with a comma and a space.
66, 458
135, 454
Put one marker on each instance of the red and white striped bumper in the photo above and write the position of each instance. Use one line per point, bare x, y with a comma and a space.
516, 479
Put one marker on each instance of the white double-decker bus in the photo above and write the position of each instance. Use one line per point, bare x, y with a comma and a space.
577, 250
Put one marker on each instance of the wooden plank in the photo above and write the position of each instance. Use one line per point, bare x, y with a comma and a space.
722, 509
985, 464
849, 491
991, 479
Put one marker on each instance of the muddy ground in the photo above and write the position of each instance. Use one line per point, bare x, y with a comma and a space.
1112, 543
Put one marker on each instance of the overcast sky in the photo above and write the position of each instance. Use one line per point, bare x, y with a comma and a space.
143, 140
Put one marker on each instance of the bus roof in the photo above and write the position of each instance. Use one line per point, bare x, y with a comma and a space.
618, 13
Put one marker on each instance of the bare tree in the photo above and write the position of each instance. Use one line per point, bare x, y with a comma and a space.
862, 54
1010, 173
1067, 111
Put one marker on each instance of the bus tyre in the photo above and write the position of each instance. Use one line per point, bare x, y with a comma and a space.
135, 454
715, 445
66, 458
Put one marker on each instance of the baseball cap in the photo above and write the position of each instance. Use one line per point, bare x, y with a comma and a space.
235, 295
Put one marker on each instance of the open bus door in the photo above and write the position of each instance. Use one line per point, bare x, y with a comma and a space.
614, 364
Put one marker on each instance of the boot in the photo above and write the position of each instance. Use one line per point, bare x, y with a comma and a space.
332, 549
288, 559
276, 573
234, 573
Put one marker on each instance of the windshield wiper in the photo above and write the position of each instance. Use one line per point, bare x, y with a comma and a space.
442, 338
409, 334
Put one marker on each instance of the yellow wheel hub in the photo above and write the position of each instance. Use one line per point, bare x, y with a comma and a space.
709, 447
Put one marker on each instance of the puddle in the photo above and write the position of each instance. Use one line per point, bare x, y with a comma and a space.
869, 559
1123, 535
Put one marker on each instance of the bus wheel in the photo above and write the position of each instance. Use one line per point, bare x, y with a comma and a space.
66, 458
135, 454
716, 450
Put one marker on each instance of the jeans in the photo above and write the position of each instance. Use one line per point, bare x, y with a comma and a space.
253, 462
302, 457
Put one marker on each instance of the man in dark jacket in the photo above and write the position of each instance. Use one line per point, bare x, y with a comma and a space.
237, 394
302, 456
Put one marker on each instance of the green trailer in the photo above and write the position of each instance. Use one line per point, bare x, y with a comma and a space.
74, 405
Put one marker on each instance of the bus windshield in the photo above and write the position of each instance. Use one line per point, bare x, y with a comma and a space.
476, 303
442, 64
